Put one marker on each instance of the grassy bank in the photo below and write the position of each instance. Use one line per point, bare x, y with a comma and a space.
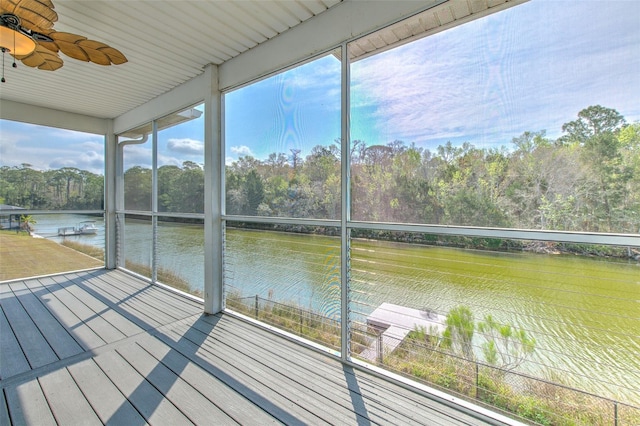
89, 250
22, 256
530, 399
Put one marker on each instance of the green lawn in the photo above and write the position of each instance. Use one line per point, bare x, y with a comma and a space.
22, 256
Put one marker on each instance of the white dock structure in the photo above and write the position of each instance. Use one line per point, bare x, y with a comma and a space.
394, 322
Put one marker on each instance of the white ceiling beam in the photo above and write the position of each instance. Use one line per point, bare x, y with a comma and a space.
183, 96
25, 113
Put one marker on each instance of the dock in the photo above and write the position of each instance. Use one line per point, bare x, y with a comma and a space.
394, 323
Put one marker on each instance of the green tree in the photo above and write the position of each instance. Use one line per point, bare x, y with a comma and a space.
27, 223
505, 346
592, 121
459, 331
137, 188
186, 194
254, 190
167, 177
596, 130
322, 170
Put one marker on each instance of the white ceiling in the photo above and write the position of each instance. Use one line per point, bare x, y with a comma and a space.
166, 42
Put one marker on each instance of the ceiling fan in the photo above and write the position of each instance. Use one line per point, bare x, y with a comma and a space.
26, 32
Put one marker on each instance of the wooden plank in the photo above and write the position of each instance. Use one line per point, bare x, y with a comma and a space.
34, 345
131, 304
320, 378
67, 403
63, 344
27, 405
105, 330
12, 359
95, 302
166, 306
296, 381
290, 387
314, 378
284, 410
123, 303
187, 302
192, 403
411, 404
383, 400
149, 402
234, 404
111, 406
81, 332
178, 306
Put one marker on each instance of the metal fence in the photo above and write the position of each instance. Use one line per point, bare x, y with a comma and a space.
290, 317
519, 395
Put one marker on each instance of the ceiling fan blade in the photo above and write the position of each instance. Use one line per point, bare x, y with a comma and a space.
83, 49
42, 59
107, 54
68, 44
116, 57
35, 15
94, 50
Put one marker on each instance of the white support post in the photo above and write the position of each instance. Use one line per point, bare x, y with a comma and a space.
345, 217
213, 197
110, 178
154, 202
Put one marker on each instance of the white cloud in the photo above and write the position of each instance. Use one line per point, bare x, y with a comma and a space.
186, 146
492, 79
137, 155
46, 148
241, 151
87, 160
97, 146
164, 160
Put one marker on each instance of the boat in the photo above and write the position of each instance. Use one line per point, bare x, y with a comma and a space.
87, 227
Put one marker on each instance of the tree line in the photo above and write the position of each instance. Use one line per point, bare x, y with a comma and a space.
67, 188
586, 180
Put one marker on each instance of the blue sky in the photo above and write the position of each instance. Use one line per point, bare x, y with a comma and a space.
532, 67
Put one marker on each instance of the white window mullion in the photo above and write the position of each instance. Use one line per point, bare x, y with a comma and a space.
345, 216
154, 202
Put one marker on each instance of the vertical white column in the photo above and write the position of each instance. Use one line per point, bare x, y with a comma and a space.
154, 202
110, 179
213, 197
345, 216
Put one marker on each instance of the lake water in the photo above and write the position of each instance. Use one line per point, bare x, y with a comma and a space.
583, 312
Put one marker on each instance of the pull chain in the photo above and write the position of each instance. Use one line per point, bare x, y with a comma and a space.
3, 80
4, 51
14, 65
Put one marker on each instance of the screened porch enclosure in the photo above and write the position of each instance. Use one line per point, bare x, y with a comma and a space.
416, 204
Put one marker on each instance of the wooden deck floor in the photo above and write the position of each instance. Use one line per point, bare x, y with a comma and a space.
102, 347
